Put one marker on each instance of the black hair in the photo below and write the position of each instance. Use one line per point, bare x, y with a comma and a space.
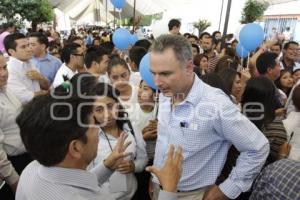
203, 34
10, 41
136, 54
215, 33
114, 61
104, 89
94, 54
173, 22
278, 44
42, 39
287, 45
143, 43
226, 62
109, 46
67, 51
228, 76
264, 61
193, 36
215, 81
259, 90
196, 47
8, 25
48, 125
296, 98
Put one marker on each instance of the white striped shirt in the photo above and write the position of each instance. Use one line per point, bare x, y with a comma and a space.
38, 182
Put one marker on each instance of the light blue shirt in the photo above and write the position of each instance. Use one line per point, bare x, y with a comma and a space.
206, 124
38, 182
48, 66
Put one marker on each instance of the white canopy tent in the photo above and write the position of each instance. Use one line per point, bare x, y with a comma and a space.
94, 11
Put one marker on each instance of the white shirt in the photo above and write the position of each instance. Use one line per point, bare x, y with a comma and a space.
131, 104
104, 78
292, 124
135, 78
38, 182
138, 155
18, 83
10, 139
64, 70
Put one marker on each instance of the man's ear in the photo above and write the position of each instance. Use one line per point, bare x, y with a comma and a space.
75, 149
11, 51
190, 67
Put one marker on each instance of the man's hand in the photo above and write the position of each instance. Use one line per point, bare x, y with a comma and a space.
170, 173
126, 166
214, 193
116, 157
41, 93
34, 75
284, 150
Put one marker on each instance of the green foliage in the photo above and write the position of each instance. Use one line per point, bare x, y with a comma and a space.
253, 11
201, 25
36, 11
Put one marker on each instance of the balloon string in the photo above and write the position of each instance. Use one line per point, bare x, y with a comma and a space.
120, 16
156, 104
248, 61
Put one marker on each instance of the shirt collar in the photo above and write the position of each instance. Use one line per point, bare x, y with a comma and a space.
193, 95
17, 61
73, 177
45, 58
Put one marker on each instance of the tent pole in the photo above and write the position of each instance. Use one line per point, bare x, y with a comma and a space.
226, 22
106, 12
115, 18
134, 7
221, 13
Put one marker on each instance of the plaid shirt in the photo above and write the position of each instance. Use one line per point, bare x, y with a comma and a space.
278, 181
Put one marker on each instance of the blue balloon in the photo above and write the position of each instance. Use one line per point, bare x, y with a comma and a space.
118, 3
121, 38
145, 71
241, 51
251, 36
133, 39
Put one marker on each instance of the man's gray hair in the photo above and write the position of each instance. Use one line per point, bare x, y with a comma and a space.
180, 45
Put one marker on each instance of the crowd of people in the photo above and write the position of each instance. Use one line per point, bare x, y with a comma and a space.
77, 121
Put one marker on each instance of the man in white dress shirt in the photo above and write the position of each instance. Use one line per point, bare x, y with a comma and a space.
13, 157
73, 60
25, 81
64, 144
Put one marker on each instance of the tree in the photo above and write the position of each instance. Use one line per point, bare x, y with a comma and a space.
36, 11
201, 25
253, 11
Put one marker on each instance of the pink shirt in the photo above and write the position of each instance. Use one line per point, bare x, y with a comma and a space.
2, 36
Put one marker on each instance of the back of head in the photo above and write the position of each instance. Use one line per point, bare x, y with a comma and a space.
41, 38
215, 80
10, 41
174, 23
136, 54
226, 62
259, 94
228, 76
180, 45
143, 43
296, 97
48, 125
264, 61
67, 51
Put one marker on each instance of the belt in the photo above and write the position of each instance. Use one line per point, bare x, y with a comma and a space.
182, 191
